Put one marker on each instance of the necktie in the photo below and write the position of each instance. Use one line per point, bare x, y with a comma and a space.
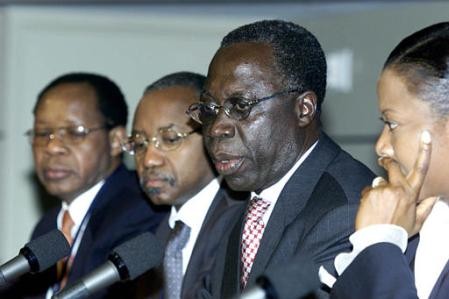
63, 266
173, 260
253, 228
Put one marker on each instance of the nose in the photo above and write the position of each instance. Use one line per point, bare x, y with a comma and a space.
55, 145
384, 147
222, 127
153, 157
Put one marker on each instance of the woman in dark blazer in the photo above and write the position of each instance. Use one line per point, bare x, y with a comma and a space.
412, 204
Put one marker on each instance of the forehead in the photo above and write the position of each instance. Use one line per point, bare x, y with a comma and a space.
392, 91
70, 102
164, 107
243, 66
396, 100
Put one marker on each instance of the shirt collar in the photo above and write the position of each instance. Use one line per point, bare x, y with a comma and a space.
80, 205
272, 193
194, 210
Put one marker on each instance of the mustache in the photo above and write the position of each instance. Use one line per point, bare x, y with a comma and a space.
151, 175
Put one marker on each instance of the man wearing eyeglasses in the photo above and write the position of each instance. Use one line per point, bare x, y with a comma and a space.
79, 122
174, 169
260, 112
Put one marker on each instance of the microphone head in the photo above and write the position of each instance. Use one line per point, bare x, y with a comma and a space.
294, 280
137, 256
44, 251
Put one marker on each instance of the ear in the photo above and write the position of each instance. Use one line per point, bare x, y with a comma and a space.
116, 136
306, 108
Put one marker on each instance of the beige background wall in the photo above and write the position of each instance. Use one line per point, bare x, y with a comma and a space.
135, 45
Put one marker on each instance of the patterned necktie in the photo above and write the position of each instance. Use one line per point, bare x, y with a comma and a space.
64, 265
173, 260
253, 228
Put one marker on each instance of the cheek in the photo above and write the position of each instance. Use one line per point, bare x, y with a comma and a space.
268, 142
138, 162
92, 163
436, 178
192, 166
255, 137
405, 148
37, 157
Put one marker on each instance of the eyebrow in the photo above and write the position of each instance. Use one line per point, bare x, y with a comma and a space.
388, 110
171, 125
206, 94
236, 94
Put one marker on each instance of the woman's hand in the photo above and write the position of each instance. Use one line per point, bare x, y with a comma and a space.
397, 201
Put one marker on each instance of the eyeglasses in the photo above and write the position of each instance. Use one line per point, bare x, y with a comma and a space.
166, 139
71, 135
237, 108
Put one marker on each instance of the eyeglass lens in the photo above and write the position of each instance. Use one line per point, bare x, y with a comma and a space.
166, 140
67, 135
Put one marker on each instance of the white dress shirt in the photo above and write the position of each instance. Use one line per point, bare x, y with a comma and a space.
77, 209
431, 256
192, 213
432, 253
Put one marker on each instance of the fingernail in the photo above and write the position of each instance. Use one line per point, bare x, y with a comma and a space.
425, 137
376, 182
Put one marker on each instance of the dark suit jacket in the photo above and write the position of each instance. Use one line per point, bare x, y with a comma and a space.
216, 226
314, 214
119, 212
382, 271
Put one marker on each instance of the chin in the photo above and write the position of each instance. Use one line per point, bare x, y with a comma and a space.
56, 192
161, 199
238, 184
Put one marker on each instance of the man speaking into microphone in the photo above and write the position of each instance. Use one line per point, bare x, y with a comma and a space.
79, 121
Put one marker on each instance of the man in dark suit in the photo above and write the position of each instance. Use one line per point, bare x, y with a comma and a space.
80, 119
174, 170
260, 111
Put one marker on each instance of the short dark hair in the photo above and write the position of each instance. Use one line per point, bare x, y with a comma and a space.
422, 58
297, 53
111, 102
194, 80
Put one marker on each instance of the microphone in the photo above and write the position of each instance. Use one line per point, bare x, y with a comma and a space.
36, 256
126, 262
294, 280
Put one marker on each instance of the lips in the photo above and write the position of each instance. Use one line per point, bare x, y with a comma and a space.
56, 173
154, 183
227, 164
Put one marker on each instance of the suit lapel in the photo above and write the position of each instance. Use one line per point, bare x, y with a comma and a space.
292, 200
441, 287
231, 273
211, 232
410, 253
97, 214
218, 204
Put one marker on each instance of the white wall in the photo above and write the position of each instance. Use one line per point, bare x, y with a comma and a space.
135, 45
133, 48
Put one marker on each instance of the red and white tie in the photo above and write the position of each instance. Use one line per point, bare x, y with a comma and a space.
253, 228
